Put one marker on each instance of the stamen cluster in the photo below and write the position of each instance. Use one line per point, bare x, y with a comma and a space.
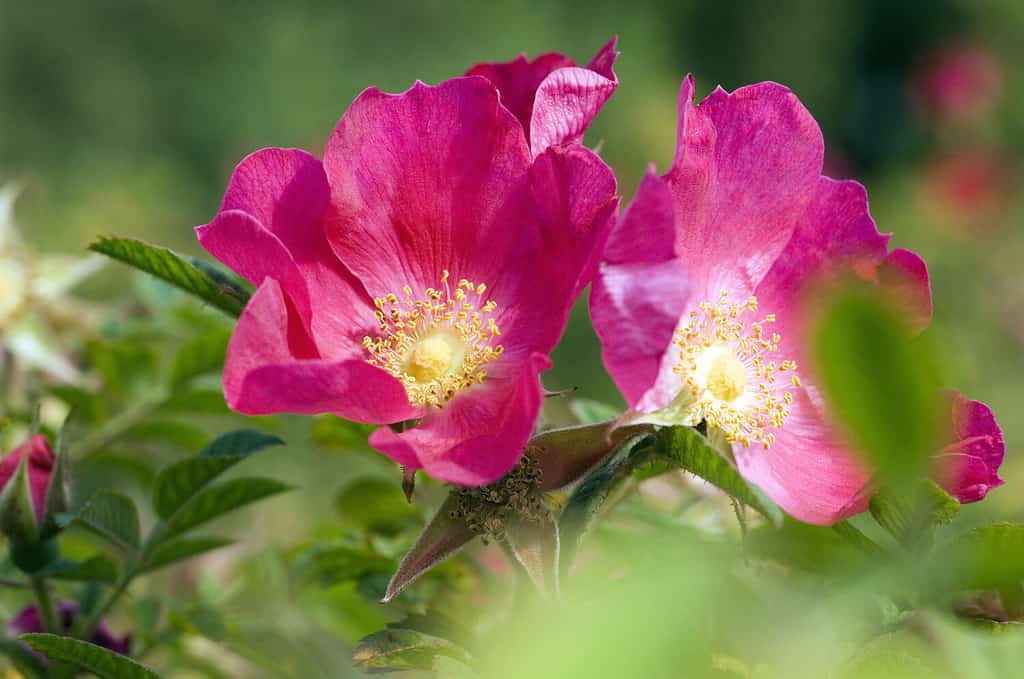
489, 509
436, 345
724, 363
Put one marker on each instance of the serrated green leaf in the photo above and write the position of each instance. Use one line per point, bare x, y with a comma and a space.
24, 660
691, 451
95, 569
588, 411
217, 500
96, 659
377, 506
112, 516
335, 433
404, 649
909, 514
881, 384
179, 482
216, 290
181, 549
201, 354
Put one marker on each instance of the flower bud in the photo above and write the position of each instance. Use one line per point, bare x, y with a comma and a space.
31, 491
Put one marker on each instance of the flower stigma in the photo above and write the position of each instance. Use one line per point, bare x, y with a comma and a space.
724, 360
437, 345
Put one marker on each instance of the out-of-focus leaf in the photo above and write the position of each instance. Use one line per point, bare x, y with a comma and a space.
332, 564
181, 549
450, 668
377, 506
125, 365
880, 382
217, 289
177, 483
335, 433
95, 569
404, 649
179, 434
90, 407
24, 660
691, 451
989, 557
814, 549
196, 402
588, 411
214, 501
112, 516
910, 513
201, 354
90, 657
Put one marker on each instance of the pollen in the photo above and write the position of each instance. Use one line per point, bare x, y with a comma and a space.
728, 362
438, 343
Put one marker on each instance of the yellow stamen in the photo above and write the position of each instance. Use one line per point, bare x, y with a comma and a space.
436, 345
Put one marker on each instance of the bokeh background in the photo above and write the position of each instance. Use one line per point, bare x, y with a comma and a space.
127, 118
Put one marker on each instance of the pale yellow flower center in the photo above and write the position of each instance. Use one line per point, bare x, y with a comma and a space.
733, 384
438, 344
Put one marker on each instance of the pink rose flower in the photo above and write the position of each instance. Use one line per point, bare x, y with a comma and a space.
40, 466
957, 83
422, 272
696, 299
969, 466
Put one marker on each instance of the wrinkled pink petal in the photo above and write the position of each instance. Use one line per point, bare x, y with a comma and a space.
570, 98
640, 290
424, 181
285, 192
517, 81
40, 466
271, 368
969, 466
478, 437
904, 276
808, 472
747, 165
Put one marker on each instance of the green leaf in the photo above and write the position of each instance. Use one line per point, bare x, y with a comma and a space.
112, 516
691, 451
90, 657
204, 282
989, 557
178, 434
214, 501
588, 411
376, 506
404, 649
909, 514
881, 384
332, 564
332, 432
24, 660
196, 402
201, 354
95, 569
179, 482
180, 549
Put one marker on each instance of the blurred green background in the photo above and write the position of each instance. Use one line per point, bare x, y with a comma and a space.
127, 117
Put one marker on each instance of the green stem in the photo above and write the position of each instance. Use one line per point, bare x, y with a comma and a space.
47, 613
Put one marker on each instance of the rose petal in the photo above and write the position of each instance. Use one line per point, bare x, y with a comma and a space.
969, 466
477, 437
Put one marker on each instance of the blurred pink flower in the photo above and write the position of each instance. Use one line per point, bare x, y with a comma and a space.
696, 299
957, 83
968, 191
40, 466
969, 466
423, 271
28, 621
